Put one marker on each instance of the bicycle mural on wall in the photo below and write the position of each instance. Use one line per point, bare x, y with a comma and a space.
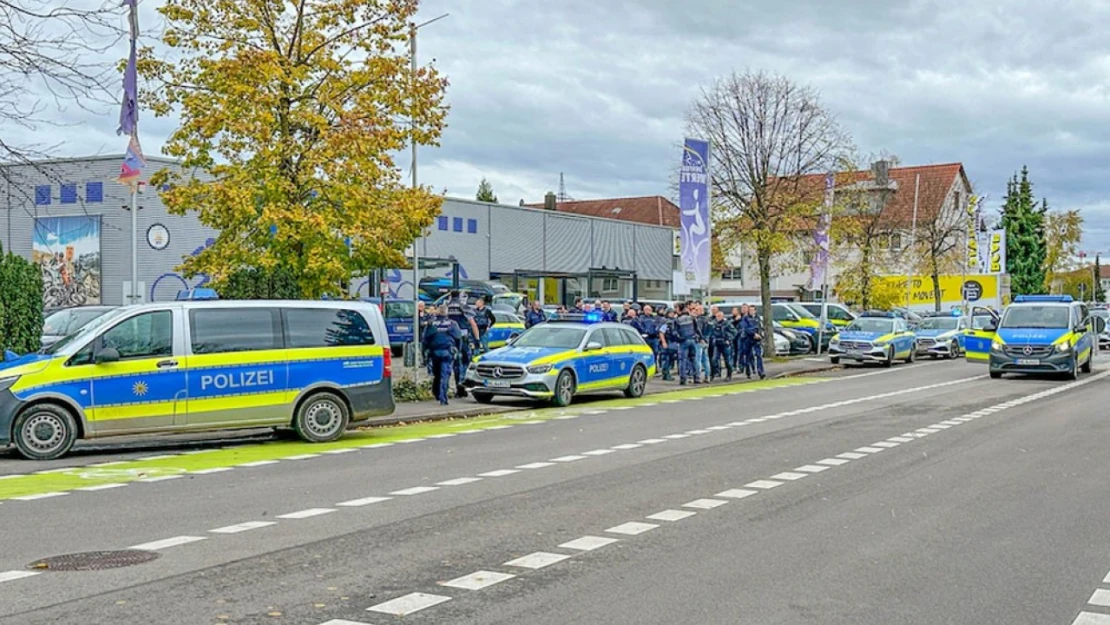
67, 250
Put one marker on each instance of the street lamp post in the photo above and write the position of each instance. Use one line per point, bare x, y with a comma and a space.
415, 244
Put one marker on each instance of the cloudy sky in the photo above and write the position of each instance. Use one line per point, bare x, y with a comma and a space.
597, 89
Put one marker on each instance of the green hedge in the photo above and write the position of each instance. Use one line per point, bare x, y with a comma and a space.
255, 283
20, 304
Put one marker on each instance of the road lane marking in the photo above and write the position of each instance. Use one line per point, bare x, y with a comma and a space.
210, 471
536, 465
568, 458
167, 543
627, 446
598, 452
242, 527
340, 621
763, 484
459, 481
736, 493
336, 452
499, 473
632, 528
40, 496
940, 426
1090, 618
588, 543
812, 468
885, 444
675, 437
697, 432
409, 604
869, 450
161, 478
415, 490
259, 463
365, 501
851, 455
1101, 598
671, 515
704, 504
652, 441
301, 457
833, 462
537, 560
305, 514
788, 475
11, 576
899, 439
477, 580
93, 489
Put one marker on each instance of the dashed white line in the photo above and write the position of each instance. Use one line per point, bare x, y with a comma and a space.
588, 543
163, 478
568, 458
167, 543
812, 468
1090, 618
536, 465
833, 462
704, 504
415, 490
763, 484
900, 439
261, 463
92, 489
697, 432
598, 452
341, 621
869, 450
676, 436
459, 481
336, 452
478, 580
499, 473
222, 469
1101, 598
305, 514
437, 436
652, 441
627, 446
11, 576
365, 501
941, 426
885, 444
788, 475
717, 428
409, 604
671, 515
632, 528
851, 455
242, 527
736, 493
300, 457
537, 560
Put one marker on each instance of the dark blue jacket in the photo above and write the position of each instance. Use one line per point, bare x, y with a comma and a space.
534, 317
686, 327
750, 326
441, 335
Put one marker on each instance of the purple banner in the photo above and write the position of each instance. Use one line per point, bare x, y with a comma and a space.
820, 261
693, 202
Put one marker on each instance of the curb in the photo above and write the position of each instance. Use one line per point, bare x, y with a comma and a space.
793, 374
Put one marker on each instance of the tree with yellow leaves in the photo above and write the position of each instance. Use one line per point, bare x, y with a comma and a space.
295, 110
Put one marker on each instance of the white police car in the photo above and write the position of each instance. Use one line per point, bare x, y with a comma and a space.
941, 336
562, 358
880, 337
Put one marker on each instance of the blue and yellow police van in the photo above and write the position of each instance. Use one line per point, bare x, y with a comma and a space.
505, 326
1039, 334
316, 367
874, 336
565, 357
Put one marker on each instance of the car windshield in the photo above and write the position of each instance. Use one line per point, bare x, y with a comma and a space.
979, 322
89, 329
1044, 317
65, 322
511, 300
800, 310
940, 323
551, 336
871, 325
502, 317
399, 310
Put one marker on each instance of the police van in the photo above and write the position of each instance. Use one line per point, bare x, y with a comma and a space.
186, 366
1043, 334
562, 358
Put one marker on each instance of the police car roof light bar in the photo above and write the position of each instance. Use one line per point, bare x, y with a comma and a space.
1055, 299
590, 317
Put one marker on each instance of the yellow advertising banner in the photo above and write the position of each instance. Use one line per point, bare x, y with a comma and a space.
979, 287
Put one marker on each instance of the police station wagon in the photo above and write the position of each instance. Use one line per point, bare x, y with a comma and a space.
186, 366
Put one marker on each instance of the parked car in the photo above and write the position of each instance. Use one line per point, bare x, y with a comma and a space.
799, 342
782, 345
62, 323
836, 314
399, 315
1104, 336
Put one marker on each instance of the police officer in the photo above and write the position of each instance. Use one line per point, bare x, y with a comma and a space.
753, 336
722, 334
632, 320
671, 341
607, 312
440, 342
483, 320
425, 319
688, 335
651, 330
534, 316
463, 316
738, 344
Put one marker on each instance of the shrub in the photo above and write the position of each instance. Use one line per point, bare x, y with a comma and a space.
20, 304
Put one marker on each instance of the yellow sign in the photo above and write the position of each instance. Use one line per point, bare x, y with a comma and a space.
973, 234
997, 251
979, 287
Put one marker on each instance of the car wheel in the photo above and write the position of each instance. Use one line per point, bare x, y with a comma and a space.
954, 349
564, 389
637, 382
996, 374
834, 360
1087, 365
321, 418
44, 432
1074, 373
889, 358
913, 353
482, 398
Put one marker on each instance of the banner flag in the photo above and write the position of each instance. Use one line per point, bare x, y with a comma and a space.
693, 191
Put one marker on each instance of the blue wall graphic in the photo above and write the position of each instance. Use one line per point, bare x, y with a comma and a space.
176, 279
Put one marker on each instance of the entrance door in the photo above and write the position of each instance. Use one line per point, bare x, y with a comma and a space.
146, 388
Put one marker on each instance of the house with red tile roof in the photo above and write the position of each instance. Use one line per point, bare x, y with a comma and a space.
654, 210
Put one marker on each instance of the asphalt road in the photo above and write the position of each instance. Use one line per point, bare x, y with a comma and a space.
923, 494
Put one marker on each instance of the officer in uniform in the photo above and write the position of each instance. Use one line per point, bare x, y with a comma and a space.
425, 319
483, 320
741, 339
440, 342
650, 330
753, 336
463, 316
688, 335
607, 312
721, 337
534, 316
670, 344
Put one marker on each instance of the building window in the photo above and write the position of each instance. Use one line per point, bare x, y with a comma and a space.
472, 226
441, 222
457, 224
68, 194
896, 241
610, 284
42, 195
94, 191
733, 273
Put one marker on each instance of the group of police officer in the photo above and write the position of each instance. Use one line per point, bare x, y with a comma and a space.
449, 339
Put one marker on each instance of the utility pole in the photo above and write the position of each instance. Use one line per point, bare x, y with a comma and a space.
913, 242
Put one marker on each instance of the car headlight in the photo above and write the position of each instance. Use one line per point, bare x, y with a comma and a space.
6, 383
996, 346
539, 368
881, 343
1063, 347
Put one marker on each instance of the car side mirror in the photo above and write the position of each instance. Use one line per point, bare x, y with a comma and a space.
106, 355
593, 346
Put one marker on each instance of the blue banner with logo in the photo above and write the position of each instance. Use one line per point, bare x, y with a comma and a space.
693, 192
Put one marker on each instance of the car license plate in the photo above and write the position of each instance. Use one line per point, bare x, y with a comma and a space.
497, 383
403, 328
854, 352
1028, 361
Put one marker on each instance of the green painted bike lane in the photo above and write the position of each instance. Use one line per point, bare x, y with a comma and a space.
170, 466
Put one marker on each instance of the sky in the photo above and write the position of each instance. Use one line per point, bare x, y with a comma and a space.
598, 90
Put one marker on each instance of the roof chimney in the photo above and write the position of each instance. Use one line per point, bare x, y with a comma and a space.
881, 171
549, 201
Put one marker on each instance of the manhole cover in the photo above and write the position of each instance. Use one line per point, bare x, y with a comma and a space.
94, 560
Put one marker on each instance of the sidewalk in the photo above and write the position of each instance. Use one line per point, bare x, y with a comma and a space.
467, 407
